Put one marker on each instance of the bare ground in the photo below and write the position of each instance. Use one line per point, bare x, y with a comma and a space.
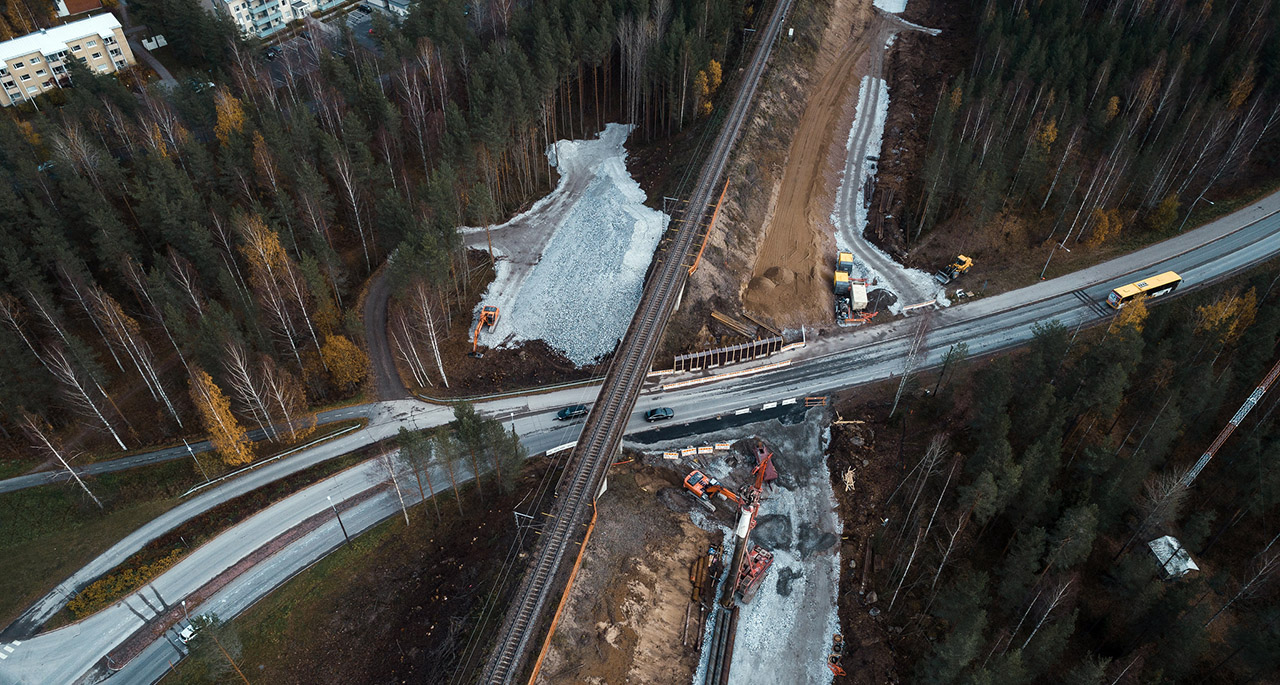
624, 618
756, 169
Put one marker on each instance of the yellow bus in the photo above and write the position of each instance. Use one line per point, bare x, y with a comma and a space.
1155, 286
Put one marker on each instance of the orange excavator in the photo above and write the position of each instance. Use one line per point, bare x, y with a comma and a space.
704, 488
488, 317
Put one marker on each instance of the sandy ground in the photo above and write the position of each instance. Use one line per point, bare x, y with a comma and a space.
787, 282
785, 633
624, 619
821, 201
548, 287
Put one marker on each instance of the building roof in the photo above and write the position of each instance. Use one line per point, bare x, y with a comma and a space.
1173, 558
81, 6
54, 39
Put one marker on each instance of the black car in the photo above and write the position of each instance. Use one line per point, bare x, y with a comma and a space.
660, 414
571, 412
271, 52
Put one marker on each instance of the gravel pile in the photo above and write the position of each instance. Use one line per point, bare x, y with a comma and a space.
581, 295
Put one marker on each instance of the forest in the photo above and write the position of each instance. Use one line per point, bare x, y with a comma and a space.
1016, 544
193, 260
1094, 118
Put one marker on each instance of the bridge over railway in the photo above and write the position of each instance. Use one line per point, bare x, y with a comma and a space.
602, 433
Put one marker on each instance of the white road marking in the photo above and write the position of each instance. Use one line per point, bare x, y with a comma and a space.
790, 401
8, 648
770, 405
742, 411
3, 657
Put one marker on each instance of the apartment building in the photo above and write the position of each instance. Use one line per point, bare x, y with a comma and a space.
36, 62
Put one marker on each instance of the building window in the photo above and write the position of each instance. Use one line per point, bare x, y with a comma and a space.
91, 43
75, 48
3, 71
59, 70
109, 40
122, 64
10, 84
104, 67
39, 72
115, 52
47, 84
33, 89
25, 77
35, 60
96, 55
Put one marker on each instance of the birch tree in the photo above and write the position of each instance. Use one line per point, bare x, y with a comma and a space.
227, 435
39, 431
245, 388
388, 467
76, 392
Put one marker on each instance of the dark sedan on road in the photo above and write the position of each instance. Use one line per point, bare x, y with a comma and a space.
571, 412
660, 414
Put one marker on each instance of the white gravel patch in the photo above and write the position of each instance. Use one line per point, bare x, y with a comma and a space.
850, 235
583, 292
892, 6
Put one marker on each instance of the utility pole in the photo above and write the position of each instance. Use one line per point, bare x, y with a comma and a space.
339, 517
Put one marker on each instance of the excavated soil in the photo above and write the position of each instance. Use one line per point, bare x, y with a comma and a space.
789, 279
623, 622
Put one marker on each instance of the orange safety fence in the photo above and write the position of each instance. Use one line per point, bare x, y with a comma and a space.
707, 236
564, 599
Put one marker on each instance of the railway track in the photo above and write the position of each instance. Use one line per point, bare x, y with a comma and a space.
602, 433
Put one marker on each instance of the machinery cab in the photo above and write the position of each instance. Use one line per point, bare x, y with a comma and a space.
697, 483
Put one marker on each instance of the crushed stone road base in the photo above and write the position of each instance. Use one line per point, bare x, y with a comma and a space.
571, 269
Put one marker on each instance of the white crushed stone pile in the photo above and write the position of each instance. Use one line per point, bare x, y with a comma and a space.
580, 297
892, 6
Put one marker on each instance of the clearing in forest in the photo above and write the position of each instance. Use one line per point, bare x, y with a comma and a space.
570, 270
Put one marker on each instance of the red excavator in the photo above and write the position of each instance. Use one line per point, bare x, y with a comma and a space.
488, 317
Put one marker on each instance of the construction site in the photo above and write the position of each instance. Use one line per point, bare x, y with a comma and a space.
714, 558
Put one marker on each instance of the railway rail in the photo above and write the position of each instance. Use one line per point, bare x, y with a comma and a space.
602, 433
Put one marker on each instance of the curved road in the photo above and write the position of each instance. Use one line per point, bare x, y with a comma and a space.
1223, 248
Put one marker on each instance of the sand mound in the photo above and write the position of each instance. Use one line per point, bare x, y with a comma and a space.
780, 275
761, 284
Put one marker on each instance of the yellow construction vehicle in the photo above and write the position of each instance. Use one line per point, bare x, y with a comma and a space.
953, 270
488, 317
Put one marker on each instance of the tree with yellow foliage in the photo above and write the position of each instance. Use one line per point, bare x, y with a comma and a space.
714, 75
227, 435
1113, 108
348, 365
1133, 315
1106, 224
230, 116
1227, 317
702, 93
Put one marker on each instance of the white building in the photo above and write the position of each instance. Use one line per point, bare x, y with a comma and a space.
36, 62
262, 18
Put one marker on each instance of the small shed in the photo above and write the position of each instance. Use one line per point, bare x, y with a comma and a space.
1173, 558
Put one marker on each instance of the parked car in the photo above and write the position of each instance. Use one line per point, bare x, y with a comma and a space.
271, 52
660, 414
571, 412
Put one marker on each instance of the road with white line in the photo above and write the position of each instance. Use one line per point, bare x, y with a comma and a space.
1223, 248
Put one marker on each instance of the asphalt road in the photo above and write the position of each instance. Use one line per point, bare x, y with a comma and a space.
861, 356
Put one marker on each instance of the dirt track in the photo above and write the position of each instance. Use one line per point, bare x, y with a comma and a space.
790, 281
